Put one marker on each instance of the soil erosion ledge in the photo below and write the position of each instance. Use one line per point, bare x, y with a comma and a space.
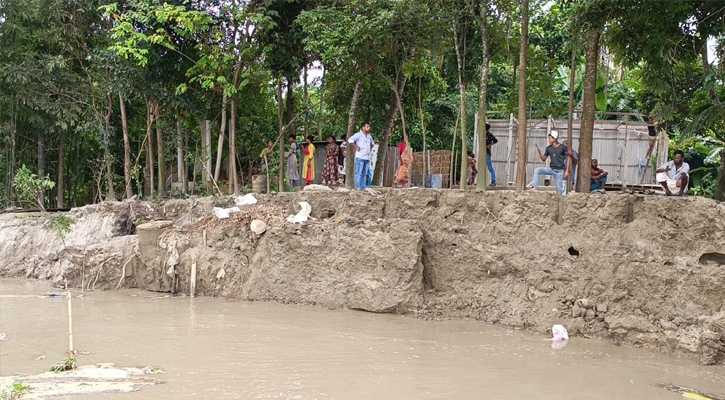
639, 270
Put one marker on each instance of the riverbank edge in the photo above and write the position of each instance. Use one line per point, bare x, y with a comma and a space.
637, 270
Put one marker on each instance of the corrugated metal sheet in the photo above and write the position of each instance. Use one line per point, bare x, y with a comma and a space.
619, 146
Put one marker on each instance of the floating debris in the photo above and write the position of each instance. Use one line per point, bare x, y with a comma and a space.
86, 380
689, 393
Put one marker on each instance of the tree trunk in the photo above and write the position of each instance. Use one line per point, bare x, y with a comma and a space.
161, 158
306, 101
220, 143
290, 107
322, 103
234, 177
720, 189
521, 141
180, 156
452, 168
75, 182
464, 145
126, 147
350, 156
570, 130
482, 98
41, 164
462, 86
149, 173
281, 135
180, 159
11, 157
422, 127
61, 170
206, 174
230, 160
390, 120
588, 109
107, 150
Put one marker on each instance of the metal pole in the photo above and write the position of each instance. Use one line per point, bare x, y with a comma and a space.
508, 149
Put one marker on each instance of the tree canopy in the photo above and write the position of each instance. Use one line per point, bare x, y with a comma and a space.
108, 99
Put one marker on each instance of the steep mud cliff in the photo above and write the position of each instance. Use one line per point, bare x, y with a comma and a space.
644, 271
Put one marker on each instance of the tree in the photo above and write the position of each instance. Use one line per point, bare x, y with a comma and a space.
587, 125
521, 141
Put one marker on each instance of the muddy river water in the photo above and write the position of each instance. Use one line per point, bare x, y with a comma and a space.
216, 349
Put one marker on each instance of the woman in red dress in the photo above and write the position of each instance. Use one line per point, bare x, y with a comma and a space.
329, 173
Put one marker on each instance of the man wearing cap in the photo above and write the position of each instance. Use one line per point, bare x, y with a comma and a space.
558, 167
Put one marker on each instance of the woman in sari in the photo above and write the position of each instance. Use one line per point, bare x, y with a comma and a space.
332, 151
308, 168
405, 159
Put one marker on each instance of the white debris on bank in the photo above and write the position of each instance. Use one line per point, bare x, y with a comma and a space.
316, 188
86, 380
258, 226
560, 337
246, 200
222, 213
301, 216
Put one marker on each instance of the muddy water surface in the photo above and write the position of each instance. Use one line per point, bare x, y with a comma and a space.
216, 349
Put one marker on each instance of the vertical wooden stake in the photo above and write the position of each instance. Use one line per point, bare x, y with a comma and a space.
71, 351
192, 280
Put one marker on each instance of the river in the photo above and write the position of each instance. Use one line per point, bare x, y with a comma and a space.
211, 348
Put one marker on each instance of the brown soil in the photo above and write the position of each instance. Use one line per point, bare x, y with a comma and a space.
645, 271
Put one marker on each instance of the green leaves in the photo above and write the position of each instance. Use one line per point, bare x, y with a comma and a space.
29, 186
601, 95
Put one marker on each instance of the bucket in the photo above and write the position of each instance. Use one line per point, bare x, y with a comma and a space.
259, 184
436, 181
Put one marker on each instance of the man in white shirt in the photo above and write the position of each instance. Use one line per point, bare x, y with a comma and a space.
363, 143
674, 175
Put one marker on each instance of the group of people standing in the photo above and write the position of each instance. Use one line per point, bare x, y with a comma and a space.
363, 143
334, 168
563, 161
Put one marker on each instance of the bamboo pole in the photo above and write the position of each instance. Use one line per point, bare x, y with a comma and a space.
192, 280
71, 351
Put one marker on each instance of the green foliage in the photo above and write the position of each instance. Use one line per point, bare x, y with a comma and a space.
66, 364
64, 63
29, 186
14, 391
61, 225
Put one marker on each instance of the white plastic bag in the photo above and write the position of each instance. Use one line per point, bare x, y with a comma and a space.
559, 333
222, 213
301, 216
246, 200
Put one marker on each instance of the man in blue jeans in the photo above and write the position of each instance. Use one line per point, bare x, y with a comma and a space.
490, 141
599, 176
363, 143
559, 168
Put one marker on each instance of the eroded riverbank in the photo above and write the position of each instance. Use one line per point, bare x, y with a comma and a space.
642, 271
216, 349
